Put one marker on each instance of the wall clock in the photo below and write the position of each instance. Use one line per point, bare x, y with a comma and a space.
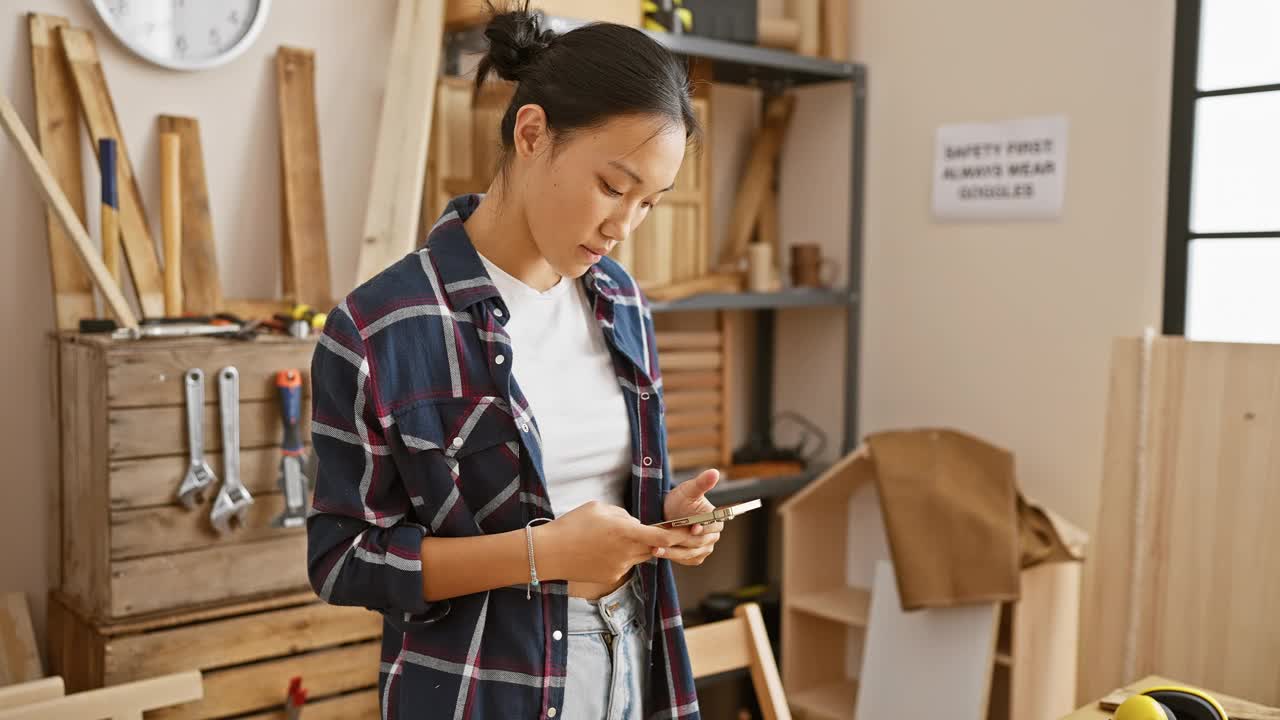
185, 34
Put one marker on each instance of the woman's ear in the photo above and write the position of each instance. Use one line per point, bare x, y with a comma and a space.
531, 135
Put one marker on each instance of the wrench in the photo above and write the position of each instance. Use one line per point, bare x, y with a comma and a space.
233, 501
199, 476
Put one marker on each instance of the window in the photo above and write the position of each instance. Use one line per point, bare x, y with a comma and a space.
1222, 260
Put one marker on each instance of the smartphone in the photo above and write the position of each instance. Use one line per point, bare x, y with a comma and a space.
728, 512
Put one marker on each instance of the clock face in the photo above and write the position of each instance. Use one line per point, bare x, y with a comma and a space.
185, 34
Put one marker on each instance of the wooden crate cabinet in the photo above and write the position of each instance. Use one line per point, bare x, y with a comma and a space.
246, 652
833, 536
128, 547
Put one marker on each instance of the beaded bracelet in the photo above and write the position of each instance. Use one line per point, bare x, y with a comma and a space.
533, 567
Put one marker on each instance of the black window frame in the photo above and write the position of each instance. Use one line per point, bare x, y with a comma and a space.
1178, 234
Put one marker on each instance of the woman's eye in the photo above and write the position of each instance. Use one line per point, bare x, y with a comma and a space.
609, 189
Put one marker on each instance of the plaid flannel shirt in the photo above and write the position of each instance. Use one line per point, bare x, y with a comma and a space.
421, 430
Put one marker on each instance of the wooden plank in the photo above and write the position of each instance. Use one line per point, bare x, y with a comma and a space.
686, 459
835, 29
305, 257
210, 575
19, 655
693, 360
56, 199
58, 131
694, 421
1046, 623
157, 431
809, 14
688, 340
958, 641
399, 163
100, 116
764, 669
728, 340
201, 284
262, 685
120, 702
32, 691
1106, 598
170, 528
238, 640
757, 177
717, 647
693, 440
692, 400
151, 482
360, 704
141, 376
171, 220
682, 380
83, 425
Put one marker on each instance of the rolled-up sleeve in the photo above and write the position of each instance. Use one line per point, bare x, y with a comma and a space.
363, 547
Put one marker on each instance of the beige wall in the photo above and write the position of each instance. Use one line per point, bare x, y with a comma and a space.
1002, 329
237, 111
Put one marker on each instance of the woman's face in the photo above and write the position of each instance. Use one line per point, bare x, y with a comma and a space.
591, 192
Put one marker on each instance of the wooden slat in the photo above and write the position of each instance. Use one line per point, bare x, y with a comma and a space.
835, 29
764, 669
156, 431
404, 132
262, 685
688, 340
1046, 619
305, 240
150, 482
693, 440
211, 575
690, 380
758, 176
32, 691
120, 702
809, 15
686, 459
83, 428
693, 421
718, 647
100, 116
692, 400
703, 360
58, 132
201, 284
238, 640
352, 706
56, 199
728, 337
146, 377
172, 528
19, 656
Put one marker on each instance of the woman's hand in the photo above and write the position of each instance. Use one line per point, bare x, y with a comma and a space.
690, 498
597, 543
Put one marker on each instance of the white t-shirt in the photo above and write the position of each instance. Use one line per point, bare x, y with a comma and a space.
565, 370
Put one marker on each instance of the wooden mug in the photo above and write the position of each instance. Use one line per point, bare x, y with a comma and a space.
809, 268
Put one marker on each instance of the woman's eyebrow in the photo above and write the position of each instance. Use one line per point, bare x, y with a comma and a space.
634, 175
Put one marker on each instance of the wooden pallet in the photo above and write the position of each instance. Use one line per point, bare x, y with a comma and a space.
246, 652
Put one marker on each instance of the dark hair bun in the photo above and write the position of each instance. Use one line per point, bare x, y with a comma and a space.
516, 40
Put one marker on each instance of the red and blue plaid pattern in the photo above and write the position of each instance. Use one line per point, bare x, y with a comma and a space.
420, 429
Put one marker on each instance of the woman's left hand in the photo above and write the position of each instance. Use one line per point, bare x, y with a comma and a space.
690, 498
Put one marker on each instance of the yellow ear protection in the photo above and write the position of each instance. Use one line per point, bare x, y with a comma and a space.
1170, 703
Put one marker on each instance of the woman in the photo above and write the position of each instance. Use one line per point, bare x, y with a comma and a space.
488, 416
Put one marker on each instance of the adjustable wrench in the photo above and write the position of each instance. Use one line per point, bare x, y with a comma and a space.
233, 499
199, 476
292, 481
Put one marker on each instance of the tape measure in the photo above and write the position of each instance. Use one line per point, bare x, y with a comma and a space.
1170, 702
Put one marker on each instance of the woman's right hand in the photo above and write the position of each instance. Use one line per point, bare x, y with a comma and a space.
597, 543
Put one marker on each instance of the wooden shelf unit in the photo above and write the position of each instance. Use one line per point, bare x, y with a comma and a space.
833, 536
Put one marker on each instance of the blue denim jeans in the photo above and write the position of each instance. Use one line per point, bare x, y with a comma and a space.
608, 661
